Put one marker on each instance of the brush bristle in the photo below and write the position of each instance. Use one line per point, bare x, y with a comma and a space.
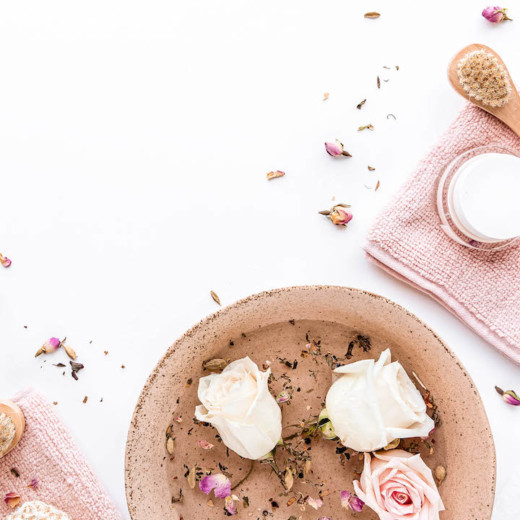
484, 78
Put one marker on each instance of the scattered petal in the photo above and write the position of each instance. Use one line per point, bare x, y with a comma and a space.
229, 506
360, 104
283, 397
372, 15
205, 445
288, 479
33, 484
12, 499
214, 365
314, 503
440, 474
348, 500
366, 127
218, 482
192, 475
275, 175
325, 96
70, 352
215, 297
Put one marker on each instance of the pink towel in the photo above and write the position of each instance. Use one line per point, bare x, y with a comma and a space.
481, 288
48, 454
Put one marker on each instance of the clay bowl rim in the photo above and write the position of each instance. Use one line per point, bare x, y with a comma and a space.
269, 293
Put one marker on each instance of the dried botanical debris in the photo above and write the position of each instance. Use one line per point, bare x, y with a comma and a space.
274, 175
372, 15
215, 297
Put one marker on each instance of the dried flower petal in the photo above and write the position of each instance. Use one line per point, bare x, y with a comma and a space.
335, 149
170, 445
192, 476
215, 297
510, 397
70, 352
218, 482
440, 474
275, 175
205, 445
325, 96
372, 14
6, 262
348, 500
229, 506
360, 104
12, 499
288, 479
33, 484
315, 503
366, 127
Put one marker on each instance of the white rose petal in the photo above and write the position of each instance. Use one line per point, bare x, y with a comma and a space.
238, 404
373, 403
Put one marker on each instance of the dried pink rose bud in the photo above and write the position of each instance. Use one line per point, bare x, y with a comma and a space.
338, 214
6, 262
336, 149
509, 396
348, 500
51, 345
495, 14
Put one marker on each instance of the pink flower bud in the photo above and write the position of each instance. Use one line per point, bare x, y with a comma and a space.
6, 262
340, 216
348, 500
509, 397
336, 149
51, 345
495, 14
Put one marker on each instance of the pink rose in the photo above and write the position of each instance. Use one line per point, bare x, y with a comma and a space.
399, 486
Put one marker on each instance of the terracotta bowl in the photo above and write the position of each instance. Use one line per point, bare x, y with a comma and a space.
272, 327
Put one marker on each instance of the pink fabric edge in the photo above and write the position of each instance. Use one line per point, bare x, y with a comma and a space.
389, 264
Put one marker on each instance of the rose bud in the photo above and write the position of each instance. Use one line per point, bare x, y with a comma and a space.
51, 345
327, 431
6, 262
336, 149
495, 14
509, 397
340, 216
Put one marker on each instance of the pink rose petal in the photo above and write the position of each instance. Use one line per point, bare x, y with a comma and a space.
315, 503
218, 482
205, 445
229, 506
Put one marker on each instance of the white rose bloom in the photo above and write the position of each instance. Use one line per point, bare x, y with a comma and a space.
238, 404
373, 403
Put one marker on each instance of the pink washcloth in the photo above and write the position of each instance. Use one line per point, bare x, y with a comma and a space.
48, 454
481, 288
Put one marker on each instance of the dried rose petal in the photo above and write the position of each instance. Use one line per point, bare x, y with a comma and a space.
205, 445
509, 396
218, 482
350, 501
12, 499
6, 262
495, 14
33, 484
315, 503
229, 506
336, 149
275, 175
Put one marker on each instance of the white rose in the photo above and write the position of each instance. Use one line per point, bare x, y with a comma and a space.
373, 403
238, 404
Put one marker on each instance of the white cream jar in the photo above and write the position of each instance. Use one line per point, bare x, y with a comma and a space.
479, 199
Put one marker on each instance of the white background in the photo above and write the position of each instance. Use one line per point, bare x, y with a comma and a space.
134, 142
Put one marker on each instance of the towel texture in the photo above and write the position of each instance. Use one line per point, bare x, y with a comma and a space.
48, 454
481, 288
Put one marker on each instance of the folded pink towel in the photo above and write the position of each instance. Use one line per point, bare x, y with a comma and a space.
48, 454
481, 288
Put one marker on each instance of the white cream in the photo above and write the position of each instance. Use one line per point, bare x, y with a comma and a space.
484, 197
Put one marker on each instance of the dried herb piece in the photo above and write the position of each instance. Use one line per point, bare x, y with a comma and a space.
360, 104
15, 472
377, 186
215, 297
170, 445
370, 168
214, 365
366, 127
378, 82
85, 399
325, 96
76, 367
69, 351
192, 476
372, 15
388, 116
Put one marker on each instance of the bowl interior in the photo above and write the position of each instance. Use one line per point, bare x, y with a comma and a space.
273, 328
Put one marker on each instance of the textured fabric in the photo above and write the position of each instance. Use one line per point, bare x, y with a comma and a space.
481, 288
48, 454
